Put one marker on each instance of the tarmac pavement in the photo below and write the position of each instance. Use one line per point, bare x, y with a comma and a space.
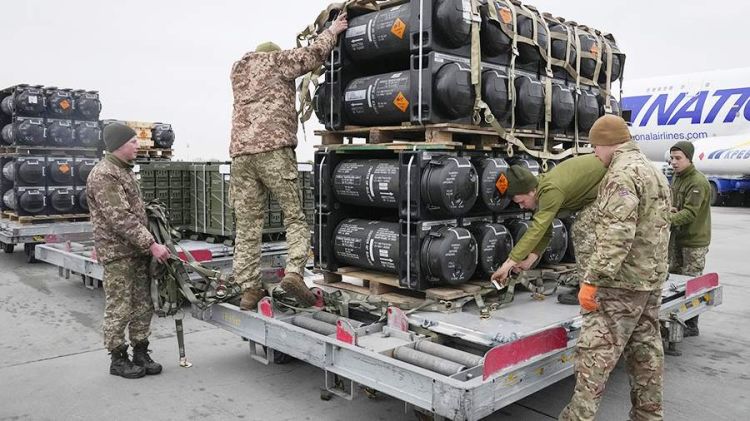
53, 365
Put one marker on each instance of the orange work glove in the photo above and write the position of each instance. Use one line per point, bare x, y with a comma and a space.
587, 297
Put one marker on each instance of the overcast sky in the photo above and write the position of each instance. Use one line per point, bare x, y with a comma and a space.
169, 61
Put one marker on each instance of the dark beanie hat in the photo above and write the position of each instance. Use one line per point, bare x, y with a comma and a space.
520, 181
116, 135
686, 147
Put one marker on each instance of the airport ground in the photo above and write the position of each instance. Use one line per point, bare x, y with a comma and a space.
53, 365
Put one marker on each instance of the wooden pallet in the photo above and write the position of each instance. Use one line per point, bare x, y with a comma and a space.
37, 219
443, 133
145, 143
48, 150
386, 287
155, 153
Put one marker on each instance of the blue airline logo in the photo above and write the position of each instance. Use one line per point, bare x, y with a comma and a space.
670, 112
729, 154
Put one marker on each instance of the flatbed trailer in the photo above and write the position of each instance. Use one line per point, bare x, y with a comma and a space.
30, 235
460, 365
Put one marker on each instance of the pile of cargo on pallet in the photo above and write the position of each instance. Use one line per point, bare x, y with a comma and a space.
540, 76
155, 140
52, 139
429, 217
422, 204
197, 197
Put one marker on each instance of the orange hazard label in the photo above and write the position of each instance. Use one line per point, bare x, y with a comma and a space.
398, 28
64, 104
401, 102
64, 168
502, 184
594, 49
505, 15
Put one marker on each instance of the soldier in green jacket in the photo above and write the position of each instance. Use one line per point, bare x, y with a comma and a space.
569, 187
690, 218
621, 289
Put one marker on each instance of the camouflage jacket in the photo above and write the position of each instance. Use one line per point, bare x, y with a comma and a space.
567, 188
632, 229
117, 211
264, 116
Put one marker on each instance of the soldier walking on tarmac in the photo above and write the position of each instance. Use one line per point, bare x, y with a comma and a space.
569, 187
690, 217
264, 135
621, 290
124, 246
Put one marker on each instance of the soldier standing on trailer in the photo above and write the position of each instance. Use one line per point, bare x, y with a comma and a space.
691, 219
569, 187
264, 135
124, 246
621, 289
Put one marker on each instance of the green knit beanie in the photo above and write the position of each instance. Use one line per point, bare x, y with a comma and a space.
520, 181
267, 47
116, 135
686, 147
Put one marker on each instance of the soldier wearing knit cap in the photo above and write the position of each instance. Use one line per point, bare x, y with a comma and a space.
263, 139
124, 246
621, 288
691, 221
568, 188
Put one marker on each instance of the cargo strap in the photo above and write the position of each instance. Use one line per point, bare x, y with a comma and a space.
482, 110
309, 82
171, 285
568, 37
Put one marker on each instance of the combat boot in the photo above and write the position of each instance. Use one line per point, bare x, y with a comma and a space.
122, 366
294, 285
251, 297
570, 298
142, 359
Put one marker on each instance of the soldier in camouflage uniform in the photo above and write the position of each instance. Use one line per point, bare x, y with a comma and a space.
124, 247
691, 220
264, 135
567, 188
621, 291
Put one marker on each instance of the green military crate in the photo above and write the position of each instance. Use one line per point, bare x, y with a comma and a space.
148, 194
162, 183
176, 218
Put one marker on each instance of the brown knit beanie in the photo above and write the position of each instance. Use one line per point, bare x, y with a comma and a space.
609, 130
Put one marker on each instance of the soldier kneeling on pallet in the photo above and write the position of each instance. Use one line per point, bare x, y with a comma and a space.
569, 187
124, 246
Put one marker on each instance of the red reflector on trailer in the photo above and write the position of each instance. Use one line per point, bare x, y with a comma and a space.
202, 255
523, 349
701, 283
345, 333
265, 307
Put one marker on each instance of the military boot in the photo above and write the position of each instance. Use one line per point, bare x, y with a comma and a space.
251, 297
570, 298
294, 285
122, 366
691, 327
142, 359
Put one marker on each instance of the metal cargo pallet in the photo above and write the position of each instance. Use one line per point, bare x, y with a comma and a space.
30, 235
76, 258
488, 362
519, 350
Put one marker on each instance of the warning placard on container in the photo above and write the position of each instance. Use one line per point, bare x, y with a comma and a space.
401, 102
399, 28
502, 184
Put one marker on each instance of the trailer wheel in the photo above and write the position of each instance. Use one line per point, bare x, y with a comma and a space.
28, 248
281, 358
8, 248
716, 198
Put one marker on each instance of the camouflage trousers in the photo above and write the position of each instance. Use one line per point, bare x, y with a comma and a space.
688, 261
626, 321
252, 177
127, 301
583, 237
